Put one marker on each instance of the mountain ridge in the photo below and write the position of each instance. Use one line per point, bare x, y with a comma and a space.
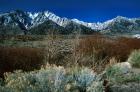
29, 20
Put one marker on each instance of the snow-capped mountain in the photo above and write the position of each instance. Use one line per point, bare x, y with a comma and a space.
40, 17
28, 20
105, 25
90, 25
31, 19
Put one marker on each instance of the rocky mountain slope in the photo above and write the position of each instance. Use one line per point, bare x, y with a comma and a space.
42, 22
118, 24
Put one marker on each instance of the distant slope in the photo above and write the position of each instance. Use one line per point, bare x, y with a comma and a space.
118, 24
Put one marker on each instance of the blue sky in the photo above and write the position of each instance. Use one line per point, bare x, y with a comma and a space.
86, 10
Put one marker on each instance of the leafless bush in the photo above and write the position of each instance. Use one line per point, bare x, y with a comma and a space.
26, 59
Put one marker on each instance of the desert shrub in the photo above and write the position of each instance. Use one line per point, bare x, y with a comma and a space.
128, 79
115, 75
113, 71
103, 48
49, 79
83, 78
134, 58
96, 87
91, 51
44, 80
52, 79
26, 59
58, 50
132, 43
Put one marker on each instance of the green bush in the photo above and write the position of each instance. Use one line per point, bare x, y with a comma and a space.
134, 59
115, 75
112, 71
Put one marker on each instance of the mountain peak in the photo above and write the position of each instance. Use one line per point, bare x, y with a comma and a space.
120, 17
29, 20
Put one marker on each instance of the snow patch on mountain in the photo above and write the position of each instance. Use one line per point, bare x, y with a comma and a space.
40, 17
33, 15
136, 36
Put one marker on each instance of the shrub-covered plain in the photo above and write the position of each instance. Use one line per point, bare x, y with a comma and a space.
66, 63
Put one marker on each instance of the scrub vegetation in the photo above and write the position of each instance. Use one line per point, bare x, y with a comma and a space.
67, 63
